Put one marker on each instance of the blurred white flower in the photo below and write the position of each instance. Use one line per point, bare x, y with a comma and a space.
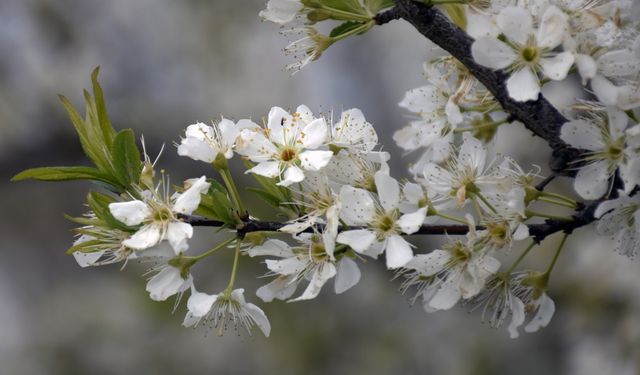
223, 309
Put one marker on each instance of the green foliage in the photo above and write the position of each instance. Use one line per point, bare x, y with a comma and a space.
216, 205
115, 156
344, 28
276, 196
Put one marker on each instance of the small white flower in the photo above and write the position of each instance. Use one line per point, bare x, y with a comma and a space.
168, 279
223, 309
383, 221
99, 246
307, 48
526, 51
603, 136
309, 261
288, 146
205, 143
620, 219
158, 217
458, 271
353, 132
465, 174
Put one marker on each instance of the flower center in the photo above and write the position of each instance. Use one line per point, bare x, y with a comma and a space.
530, 54
162, 215
288, 154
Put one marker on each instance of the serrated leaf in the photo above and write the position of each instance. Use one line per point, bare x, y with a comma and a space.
344, 28
101, 109
375, 6
126, 158
349, 6
63, 174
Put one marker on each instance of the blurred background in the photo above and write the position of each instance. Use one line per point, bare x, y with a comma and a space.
166, 64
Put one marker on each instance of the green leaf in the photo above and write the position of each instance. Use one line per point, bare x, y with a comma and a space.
63, 174
344, 28
101, 109
99, 204
349, 6
375, 6
126, 158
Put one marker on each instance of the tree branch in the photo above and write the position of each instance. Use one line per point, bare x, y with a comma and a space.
538, 231
538, 116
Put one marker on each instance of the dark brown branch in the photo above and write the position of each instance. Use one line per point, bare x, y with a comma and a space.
538, 116
537, 231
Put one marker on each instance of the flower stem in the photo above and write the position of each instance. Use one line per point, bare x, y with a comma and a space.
559, 196
360, 29
486, 202
521, 257
555, 257
233, 190
558, 202
452, 218
232, 279
209, 252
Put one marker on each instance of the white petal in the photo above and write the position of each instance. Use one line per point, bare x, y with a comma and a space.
314, 134
253, 144
618, 121
230, 131
320, 277
410, 223
587, 67
398, 252
359, 239
557, 67
357, 206
421, 100
523, 85
281, 11
314, 160
473, 153
271, 247
197, 150
429, 264
278, 119
280, 288
131, 212
606, 91
269, 169
87, 259
189, 200
347, 275
521, 232
480, 25
259, 318
544, 315
287, 266
492, 53
292, 175
388, 190
517, 317
147, 236
354, 129
582, 134
592, 180
630, 174
447, 295
413, 193
166, 283
515, 23
452, 110
438, 179
199, 304
177, 233
553, 28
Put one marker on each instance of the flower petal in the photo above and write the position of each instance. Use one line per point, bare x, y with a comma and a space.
320, 277
166, 283
144, 238
315, 160
557, 67
359, 239
292, 175
515, 23
314, 134
545, 312
199, 304
347, 275
357, 206
523, 85
269, 169
553, 28
189, 200
410, 223
592, 180
131, 212
388, 190
398, 252
492, 53
259, 318
429, 264
582, 134
177, 233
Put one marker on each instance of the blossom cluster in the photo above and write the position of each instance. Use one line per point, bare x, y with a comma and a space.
327, 174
